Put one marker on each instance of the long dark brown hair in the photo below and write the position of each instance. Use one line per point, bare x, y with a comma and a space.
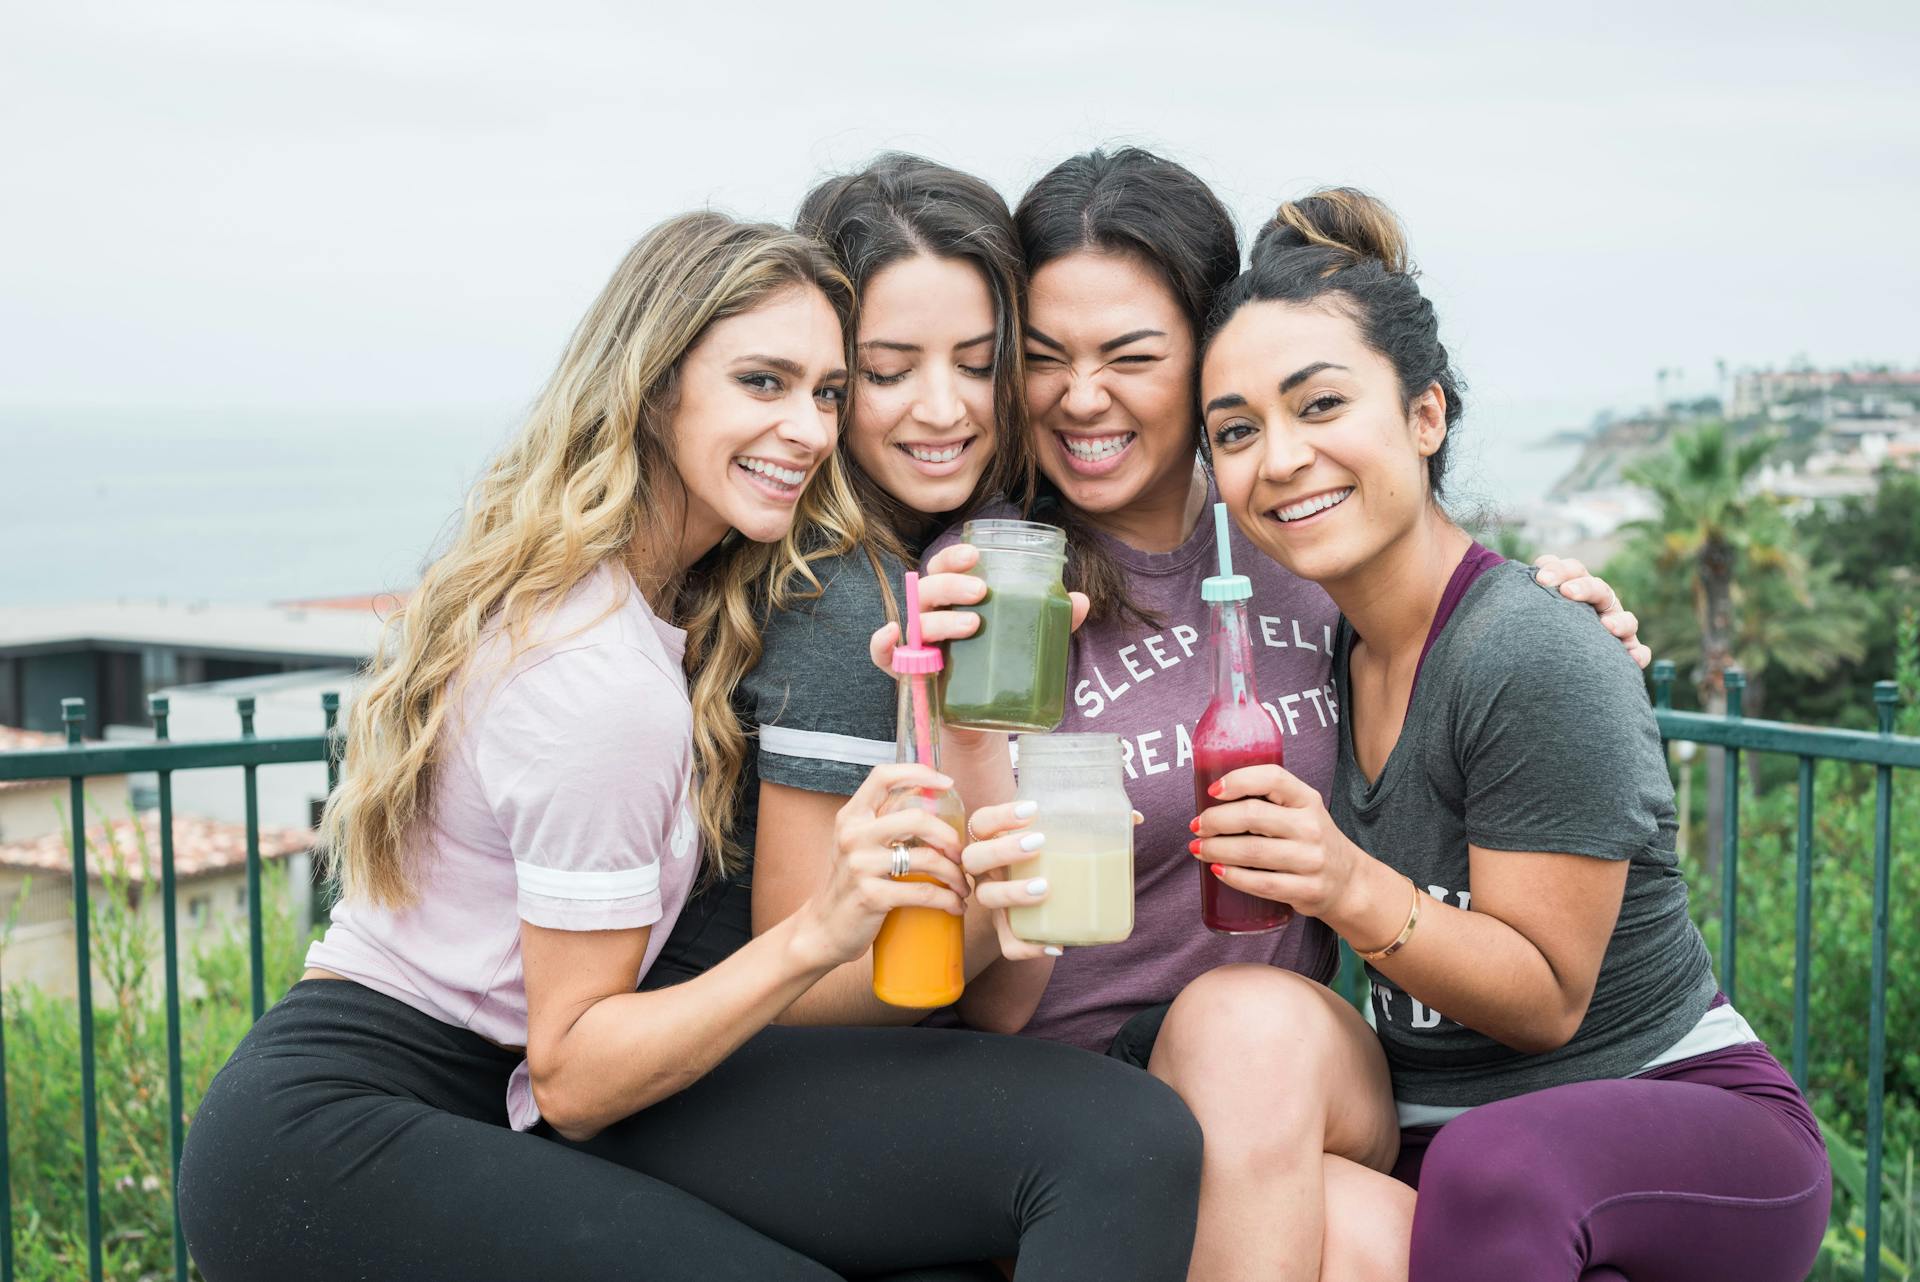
1132, 202
899, 206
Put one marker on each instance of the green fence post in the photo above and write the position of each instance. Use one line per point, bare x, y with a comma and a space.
1886, 696
1730, 842
330, 708
170, 935
1663, 694
256, 945
324, 892
6, 1169
1351, 977
1803, 922
74, 713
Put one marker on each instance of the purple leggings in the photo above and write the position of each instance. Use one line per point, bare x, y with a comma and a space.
1707, 1170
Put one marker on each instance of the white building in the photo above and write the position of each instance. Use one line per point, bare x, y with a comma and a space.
285, 704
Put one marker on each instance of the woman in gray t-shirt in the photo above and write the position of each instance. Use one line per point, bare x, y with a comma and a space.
1498, 847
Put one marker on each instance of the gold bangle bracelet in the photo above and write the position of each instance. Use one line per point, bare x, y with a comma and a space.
1406, 931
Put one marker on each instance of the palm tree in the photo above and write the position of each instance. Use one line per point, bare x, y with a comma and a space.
1791, 615
1708, 522
1710, 527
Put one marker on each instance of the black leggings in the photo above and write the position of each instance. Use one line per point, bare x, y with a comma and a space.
351, 1136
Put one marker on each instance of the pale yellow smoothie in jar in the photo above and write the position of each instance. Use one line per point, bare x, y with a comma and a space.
1077, 781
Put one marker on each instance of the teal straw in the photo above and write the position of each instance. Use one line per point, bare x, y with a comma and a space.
1220, 538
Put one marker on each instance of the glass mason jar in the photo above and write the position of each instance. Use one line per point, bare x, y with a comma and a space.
1011, 674
1077, 780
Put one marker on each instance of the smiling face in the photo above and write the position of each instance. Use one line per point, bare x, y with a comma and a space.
757, 412
1109, 382
923, 423
1320, 459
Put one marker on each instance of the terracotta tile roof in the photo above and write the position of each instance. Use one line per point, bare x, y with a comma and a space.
200, 846
14, 739
381, 603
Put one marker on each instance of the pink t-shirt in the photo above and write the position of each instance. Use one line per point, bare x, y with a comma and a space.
562, 796
1149, 686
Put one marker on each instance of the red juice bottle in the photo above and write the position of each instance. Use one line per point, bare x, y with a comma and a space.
1234, 731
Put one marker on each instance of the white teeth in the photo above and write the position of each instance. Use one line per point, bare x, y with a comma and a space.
1319, 503
944, 455
772, 471
1093, 449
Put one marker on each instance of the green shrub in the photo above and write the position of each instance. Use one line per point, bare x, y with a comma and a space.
44, 1113
1839, 980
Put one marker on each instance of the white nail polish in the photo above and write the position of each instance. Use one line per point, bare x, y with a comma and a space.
1026, 810
1038, 886
1033, 841
1053, 951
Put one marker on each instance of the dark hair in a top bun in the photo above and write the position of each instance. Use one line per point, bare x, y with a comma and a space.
1336, 218
1341, 241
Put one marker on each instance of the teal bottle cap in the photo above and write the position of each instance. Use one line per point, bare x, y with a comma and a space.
1226, 585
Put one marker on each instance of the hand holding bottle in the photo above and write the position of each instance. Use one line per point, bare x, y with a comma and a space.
1269, 834
843, 918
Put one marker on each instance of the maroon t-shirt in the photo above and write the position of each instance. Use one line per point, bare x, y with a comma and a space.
1149, 685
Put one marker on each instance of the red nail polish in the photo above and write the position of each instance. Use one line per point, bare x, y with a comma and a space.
1193, 847
1213, 789
1194, 826
1216, 869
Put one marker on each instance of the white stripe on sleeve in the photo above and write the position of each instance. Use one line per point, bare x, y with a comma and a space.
588, 884
818, 745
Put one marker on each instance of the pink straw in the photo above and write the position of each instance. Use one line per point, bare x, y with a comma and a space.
922, 711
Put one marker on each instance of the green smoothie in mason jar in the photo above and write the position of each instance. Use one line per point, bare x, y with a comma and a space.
1011, 674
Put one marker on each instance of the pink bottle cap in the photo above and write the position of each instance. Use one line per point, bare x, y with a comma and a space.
913, 658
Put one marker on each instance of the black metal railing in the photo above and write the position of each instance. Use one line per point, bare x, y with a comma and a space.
76, 762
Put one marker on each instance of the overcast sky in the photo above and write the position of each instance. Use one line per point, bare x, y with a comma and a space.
254, 203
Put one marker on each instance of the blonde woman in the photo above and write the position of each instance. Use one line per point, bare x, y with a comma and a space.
466, 1084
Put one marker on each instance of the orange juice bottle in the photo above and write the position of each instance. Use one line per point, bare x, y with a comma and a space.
919, 955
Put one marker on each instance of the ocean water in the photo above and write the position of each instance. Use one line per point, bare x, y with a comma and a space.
228, 506
250, 506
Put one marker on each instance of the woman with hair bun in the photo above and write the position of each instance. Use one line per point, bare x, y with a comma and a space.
1554, 1068
1125, 251
466, 1084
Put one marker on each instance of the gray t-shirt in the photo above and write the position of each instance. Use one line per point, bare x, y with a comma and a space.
1529, 730
819, 710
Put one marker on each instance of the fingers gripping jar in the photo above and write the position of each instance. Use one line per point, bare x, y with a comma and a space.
1011, 675
1077, 780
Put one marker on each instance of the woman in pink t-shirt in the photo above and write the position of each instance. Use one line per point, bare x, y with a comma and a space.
466, 1084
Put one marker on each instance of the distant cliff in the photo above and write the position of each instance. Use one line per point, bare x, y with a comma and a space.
1607, 449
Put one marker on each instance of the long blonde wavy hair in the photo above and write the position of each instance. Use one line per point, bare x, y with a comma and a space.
590, 469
